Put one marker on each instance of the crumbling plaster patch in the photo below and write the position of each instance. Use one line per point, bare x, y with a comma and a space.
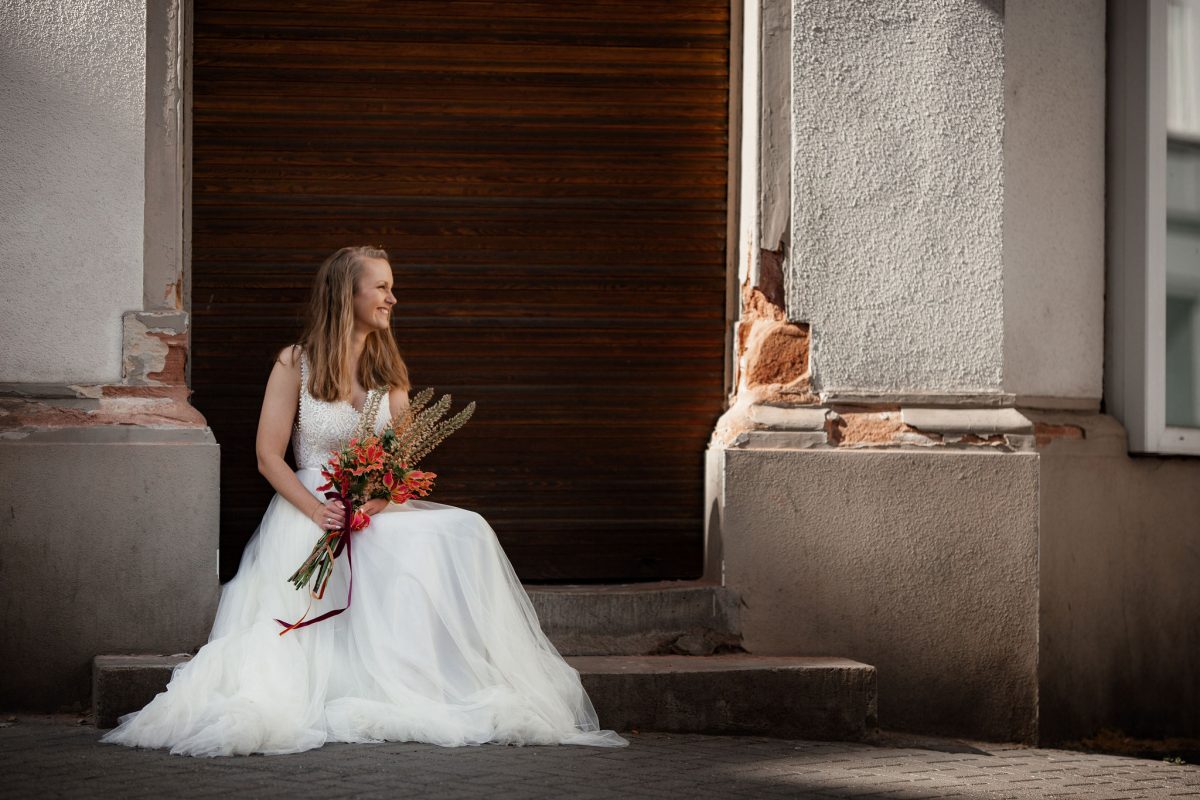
1047, 432
881, 298
774, 406
153, 391
776, 353
772, 353
753, 425
154, 347
19, 418
849, 427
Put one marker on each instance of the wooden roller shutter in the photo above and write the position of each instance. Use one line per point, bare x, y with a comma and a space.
550, 181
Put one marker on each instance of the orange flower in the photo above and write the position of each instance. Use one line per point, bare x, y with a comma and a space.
420, 482
366, 456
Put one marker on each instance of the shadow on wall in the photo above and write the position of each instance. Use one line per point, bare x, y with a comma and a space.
1120, 602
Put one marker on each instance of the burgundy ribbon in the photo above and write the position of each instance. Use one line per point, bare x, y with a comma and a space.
343, 541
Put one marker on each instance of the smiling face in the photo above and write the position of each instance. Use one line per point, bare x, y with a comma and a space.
373, 298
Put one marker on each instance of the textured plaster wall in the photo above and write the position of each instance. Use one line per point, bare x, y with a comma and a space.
1054, 198
922, 564
1120, 641
72, 152
898, 113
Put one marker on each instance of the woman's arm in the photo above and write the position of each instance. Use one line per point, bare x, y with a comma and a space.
397, 402
275, 428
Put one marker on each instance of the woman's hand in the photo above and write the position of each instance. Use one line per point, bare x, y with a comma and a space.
330, 515
374, 506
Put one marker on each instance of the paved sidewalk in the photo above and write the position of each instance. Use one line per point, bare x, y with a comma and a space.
54, 757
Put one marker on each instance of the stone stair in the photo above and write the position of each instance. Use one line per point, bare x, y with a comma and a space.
666, 618
668, 657
653, 657
125, 683
801, 698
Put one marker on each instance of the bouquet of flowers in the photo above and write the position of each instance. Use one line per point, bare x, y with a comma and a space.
372, 466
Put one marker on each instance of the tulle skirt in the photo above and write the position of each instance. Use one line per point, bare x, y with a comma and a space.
440, 645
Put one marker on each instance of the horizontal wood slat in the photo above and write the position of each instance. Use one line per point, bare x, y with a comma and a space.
550, 180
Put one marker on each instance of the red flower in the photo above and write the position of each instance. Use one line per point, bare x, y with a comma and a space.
331, 478
365, 457
420, 482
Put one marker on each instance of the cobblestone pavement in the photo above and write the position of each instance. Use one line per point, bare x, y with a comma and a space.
54, 757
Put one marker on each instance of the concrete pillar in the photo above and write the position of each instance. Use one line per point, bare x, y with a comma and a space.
111, 476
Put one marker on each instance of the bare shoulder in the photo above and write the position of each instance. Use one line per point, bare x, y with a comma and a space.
289, 356
397, 400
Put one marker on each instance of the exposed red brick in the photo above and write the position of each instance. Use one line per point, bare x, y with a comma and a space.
1045, 432
24, 413
864, 427
772, 353
756, 305
122, 390
158, 398
835, 425
797, 393
119, 405
177, 412
174, 369
777, 353
743, 334
875, 426
994, 439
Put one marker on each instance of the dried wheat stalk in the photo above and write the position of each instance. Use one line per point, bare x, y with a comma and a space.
419, 429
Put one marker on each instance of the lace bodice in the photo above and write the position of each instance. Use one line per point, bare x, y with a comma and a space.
322, 426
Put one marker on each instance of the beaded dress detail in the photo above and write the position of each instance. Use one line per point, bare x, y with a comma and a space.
441, 644
321, 426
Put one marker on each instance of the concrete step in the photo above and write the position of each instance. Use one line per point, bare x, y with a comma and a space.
791, 697
662, 618
812, 698
121, 684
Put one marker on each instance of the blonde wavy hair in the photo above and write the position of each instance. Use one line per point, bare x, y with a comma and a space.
327, 328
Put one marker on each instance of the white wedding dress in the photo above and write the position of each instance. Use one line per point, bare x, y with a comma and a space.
440, 643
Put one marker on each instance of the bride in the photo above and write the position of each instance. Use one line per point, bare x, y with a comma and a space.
441, 644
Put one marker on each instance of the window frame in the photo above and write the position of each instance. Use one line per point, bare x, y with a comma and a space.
1136, 307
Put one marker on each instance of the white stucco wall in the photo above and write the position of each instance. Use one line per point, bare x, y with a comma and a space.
898, 113
1054, 198
72, 150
